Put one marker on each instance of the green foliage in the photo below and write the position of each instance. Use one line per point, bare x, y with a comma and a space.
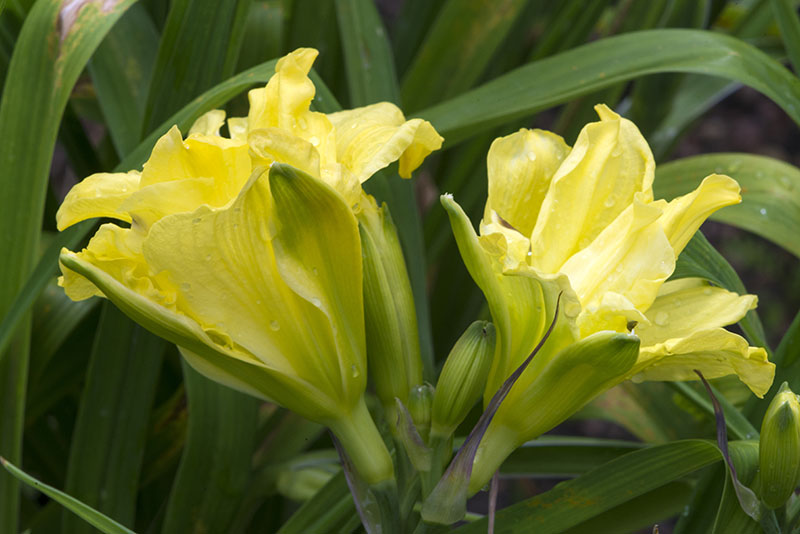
94, 405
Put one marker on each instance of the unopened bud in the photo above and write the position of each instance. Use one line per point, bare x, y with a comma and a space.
390, 319
419, 405
779, 448
463, 377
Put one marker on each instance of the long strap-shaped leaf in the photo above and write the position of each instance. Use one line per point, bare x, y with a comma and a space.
53, 47
111, 429
93, 517
578, 500
579, 71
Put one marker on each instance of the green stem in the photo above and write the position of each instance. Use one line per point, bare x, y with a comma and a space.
364, 445
388, 501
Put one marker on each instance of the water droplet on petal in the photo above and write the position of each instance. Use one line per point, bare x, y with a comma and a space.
354, 372
608, 202
186, 286
531, 155
763, 211
316, 302
314, 140
274, 326
661, 318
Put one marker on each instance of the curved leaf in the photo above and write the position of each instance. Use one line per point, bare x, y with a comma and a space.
563, 77
770, 192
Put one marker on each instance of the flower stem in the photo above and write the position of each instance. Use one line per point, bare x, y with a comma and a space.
364, 445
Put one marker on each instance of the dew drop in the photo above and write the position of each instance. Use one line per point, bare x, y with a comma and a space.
354, 372
316, 302
315, 271
531, 155
186, 286
708, 291
314, 140
196, 220
302, 123
763, 211
608, 202
661, 318
274, 326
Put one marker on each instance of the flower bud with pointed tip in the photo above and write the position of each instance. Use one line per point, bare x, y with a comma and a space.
779, 448
393, 352
463, 377
420, 401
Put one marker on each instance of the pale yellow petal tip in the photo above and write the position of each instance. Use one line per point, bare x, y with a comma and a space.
606, 113
761, 380
208, 123
76, 287
426, 140
301, 59
729, 189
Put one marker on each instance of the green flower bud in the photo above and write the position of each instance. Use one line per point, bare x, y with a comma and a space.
419, 405
393, 354
463, 378
779, 448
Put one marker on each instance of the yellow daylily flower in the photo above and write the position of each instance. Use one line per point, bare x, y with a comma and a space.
245, 251
582, 223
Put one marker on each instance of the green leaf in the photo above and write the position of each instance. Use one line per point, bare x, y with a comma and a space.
457, 49
770, 192
199, 46
785, 12
215, 465
330, 507
616, 482
109, 437
557, 456
52, 50
563, 77
121, 70
88, 514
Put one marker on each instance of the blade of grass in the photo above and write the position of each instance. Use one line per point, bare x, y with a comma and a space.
579, 71
216, 459
109, 437
53, 48
121, 70
199, 46
464, 37
93, 517
785, 12
614, 483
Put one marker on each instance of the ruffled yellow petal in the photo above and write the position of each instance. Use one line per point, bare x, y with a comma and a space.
285, 103
714, 352
684, 215
99, 195
631, 257
269, 145
609, 164
690, 305
197, 157
370, 138
118, 253
520, 168
208, 123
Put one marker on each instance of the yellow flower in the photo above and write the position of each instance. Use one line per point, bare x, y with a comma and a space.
582, 223
245, 251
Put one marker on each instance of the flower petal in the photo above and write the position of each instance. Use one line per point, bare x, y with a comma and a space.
99, 195
222, 264
609, 164
233, 368
684, 215
715, 352
689, 305
631, 257
208, 123
371, 137
318, 254
520, 167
